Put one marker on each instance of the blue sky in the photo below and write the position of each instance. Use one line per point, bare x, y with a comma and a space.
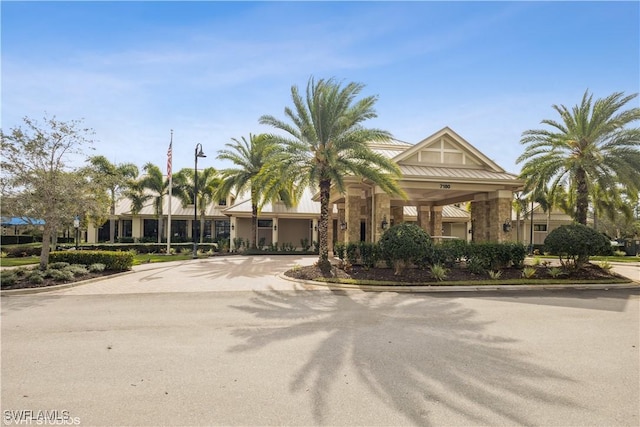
209, 70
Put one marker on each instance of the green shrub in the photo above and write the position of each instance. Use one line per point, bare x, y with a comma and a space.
58, 265
528, 272
352, 253
304, 244
339, 250
495, 274
404, 244
369, 254
78, 269
575, 243
65, 275
8, 278
447, 253
556, 272
439, 272
115, 261
606, 265
36, 277
96, 267
476, 266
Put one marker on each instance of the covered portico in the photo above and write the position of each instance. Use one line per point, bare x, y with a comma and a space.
440, 171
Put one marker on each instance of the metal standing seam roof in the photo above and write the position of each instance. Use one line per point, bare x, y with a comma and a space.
123, 207
305, 206
458, 173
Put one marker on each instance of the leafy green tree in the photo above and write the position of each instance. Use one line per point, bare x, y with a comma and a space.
114, 178
254, 171
38, 179
158, 185
326, 141
591, 144
209, 184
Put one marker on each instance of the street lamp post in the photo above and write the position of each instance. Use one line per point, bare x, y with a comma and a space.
194, 233
76, 225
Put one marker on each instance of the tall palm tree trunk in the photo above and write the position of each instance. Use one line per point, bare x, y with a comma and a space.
582, 199
254, 225
323, 225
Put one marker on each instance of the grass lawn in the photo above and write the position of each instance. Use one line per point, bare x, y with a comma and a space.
138, 259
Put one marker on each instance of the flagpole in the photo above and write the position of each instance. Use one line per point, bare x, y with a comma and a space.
169, 165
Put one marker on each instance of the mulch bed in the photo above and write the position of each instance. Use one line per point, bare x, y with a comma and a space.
25, 284
416, 275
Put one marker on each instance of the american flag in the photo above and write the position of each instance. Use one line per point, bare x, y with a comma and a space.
169, 158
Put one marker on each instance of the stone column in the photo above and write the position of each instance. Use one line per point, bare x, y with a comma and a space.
369, 220
479, 217
397, 212
424, 217
435, 221
352, 214
382, 210
499, 213
341, 220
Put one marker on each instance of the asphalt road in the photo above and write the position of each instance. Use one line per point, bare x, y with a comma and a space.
319, 357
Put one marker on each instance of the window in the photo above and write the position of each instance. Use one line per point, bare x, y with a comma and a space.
222, 229
539, 227
265, 223
222, 202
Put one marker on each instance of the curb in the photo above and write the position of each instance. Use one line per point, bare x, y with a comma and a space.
469, 288
43, 289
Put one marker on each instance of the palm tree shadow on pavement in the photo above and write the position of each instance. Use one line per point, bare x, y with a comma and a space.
412, 352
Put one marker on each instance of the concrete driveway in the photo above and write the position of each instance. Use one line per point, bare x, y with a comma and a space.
216, 274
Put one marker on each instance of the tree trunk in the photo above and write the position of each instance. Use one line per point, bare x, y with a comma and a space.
582, 197
44, 253
323, 226
254, 225
112, 222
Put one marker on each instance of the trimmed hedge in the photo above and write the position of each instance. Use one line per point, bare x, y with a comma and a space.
117, 261
145, 248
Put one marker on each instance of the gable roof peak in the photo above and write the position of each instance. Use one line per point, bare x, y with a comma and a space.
457, 140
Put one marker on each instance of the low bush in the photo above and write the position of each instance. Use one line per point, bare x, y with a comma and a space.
117, 261
96, 267
575, 243
439, 272
369, 254
404, 244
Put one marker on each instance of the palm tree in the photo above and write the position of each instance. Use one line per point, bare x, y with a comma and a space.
114, 178
592, 144
326, 142
159, 187
209, 184
254, 172
137, 195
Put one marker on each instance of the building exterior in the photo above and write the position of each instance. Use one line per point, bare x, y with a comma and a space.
441, 175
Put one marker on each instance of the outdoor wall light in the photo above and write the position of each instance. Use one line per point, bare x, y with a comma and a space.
233, 227
275, 227
343, 225
384, 223
506, 226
